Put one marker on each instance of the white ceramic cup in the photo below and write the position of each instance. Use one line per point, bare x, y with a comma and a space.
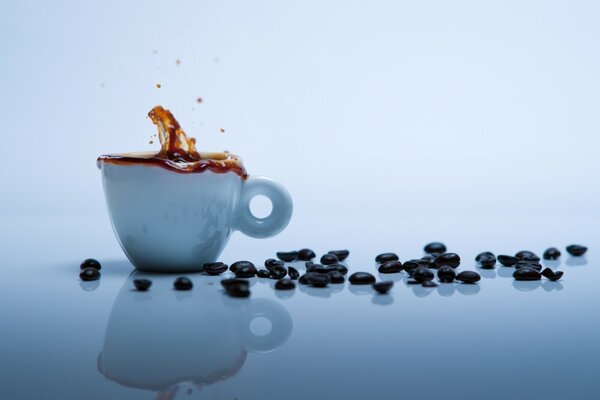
167, 221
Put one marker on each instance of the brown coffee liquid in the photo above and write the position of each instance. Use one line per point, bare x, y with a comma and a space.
178, 152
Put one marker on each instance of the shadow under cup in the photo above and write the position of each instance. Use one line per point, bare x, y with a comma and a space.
168, 221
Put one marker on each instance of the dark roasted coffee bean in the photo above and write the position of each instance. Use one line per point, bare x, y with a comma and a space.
238, 290
215, 268
468, 277
551, 254
285, 284
306, 254
320, 269
183, 283
336, 277
528, 264
487, 261
90, 263
507, 261
317, 280
527, 255
287, 256
340, 254
552, 275
234, 267
246, 271
142, 284
446, 274
338, 267
293, 273
383, 287
273, 263
303, 280
576, 250
429, 261
412, 282
429, 284
485, 253
313, 267
89, 274
230, 282
533, 258
527, 274
435, 247
263, 273
390, 267
308, 264
383, 257
361, 278
410, 265
278, 272
449, 259
327, 259
422, 274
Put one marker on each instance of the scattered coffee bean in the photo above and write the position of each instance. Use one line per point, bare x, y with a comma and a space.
236, 265
428, 261
340, 254
263, 273
287, 256
90, 263
487, 261
285, 284
507, 261
183, 283
412, 282
527, 255
410, 265
303, 280
422, 274
361, 278
293, 273
435, 247
390, 267
485, 253
576, 250
230, 282
527, 274
328, 258
552, 275
89, 274
528, 264
338, 267
317, 280
446, 274
429, 284
313, 267
336, 277
383, 257
306, 254
383, 287
215, 268
319, 269
278, 272
551, 254
272, 263
449, 259
236, 287
246, 271
468, 277
142, 284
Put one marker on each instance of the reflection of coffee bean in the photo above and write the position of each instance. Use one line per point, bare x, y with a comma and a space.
227, 283
183, 283
576, 250
507, 261
278, 272
263, 273
449, 259
446, 274
336, 277
236, 265
215, 268
435, 247
89, 274
340, 254
90, 263
527, 274
390, 267
383, 257
422, 274
285, 284
383, 287
317, 280
142, 284
306, 254
361, 278
293, 273
551, 254
468, 277
487, 261
287, 256
270, 263
552, 275
246, 271
328, 259
483, 254
527, 255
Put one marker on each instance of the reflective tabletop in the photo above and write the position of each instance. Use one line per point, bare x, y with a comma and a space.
500, 338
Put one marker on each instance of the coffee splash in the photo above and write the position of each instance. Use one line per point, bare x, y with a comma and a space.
178, 151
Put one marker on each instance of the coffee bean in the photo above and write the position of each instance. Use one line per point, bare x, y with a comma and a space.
390, 267
272, 263
89, 274
410, 265
313, 267
246, 271
142, 284
293, 273
429, 284
183, 283
551, 254
449, 259
576, 250
383, 257
317, 280
483, 254
412, 282
527, 274
435, 247
263, 273
90, 263
429, 261
422, 274
528, 264
468, 277
287, 256
487, 261
338, 267
383, 287
446, 274
327, 259
303, 280
340, 254
230, 282
336, 277
527, 255
507, 261
285, 284
215, 268
238, 264
306, 254
361, 278
552, 275
278, 272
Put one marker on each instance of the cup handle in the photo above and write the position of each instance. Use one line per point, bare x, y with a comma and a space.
280, 215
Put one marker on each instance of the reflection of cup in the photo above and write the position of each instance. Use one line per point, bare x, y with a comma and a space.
169, 221
157, 340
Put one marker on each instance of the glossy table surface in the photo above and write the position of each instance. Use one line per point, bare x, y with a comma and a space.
498, 339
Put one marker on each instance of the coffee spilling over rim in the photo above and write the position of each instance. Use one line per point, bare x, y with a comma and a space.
178, 152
